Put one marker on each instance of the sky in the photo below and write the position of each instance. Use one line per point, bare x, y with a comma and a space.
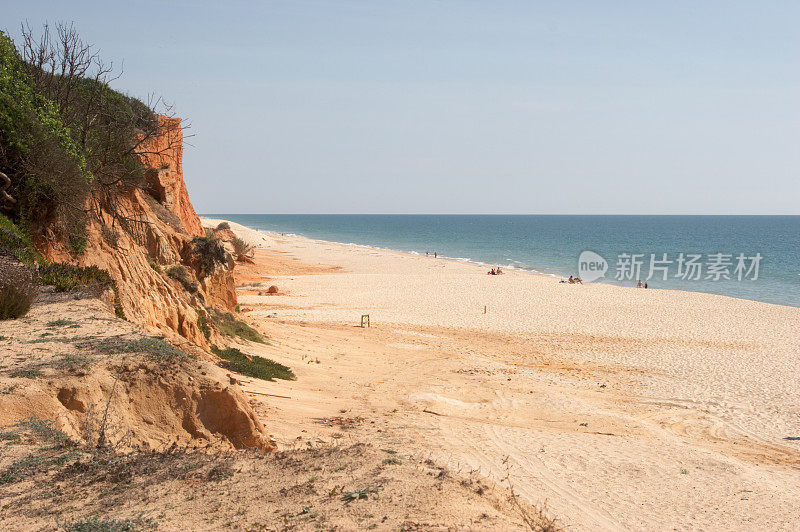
484, 107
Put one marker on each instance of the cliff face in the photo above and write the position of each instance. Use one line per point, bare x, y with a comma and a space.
165, 178
151, 233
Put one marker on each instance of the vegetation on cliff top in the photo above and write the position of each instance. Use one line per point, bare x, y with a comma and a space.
69, 144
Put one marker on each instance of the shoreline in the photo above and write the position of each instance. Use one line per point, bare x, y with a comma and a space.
206, 220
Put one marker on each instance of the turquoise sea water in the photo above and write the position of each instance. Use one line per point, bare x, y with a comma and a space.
552, 245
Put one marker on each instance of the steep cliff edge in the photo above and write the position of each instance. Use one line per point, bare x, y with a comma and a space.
164, 156
150, 233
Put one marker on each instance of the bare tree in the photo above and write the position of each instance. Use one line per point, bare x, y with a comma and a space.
119, 135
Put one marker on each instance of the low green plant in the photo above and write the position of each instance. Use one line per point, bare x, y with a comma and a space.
360, 493
61, 322
253, 366
11, 437
73, 362
96, 524
155, 348
223, 225
27, 373
230, 325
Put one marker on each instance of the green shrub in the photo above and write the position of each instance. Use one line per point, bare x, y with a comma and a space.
66, 277
229, 325
223, 225
241, 247
17, 290
253, 366
17, 242
208, 252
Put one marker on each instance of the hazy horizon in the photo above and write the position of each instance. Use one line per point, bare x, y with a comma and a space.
448, 107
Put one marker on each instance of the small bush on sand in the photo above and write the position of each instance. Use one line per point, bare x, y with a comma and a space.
253, 366
223, 225
180, 274
17, 289
209, 252
241, 247
272, 289
229, 325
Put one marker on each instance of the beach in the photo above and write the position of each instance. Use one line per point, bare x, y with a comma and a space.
617, 408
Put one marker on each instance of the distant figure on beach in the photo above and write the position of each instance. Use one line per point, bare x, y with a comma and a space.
639, 284
645, 284
426, 253
492, 272
435, 255
499, 271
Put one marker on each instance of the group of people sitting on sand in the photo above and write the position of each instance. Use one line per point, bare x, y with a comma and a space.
572, 280
495, 271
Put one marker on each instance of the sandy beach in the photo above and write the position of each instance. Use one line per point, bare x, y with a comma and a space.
617, 408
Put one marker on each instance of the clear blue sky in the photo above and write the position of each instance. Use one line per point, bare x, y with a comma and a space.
440, 106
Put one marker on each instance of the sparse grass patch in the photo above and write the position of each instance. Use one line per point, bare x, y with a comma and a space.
11, 437
220, 472
230, 325
95, 524
66, 277
155, 348
254, 366
44, 430
60, 323
73, 362
360, 493
392, 461
27, 373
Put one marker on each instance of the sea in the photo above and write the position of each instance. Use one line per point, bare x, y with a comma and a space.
748, 257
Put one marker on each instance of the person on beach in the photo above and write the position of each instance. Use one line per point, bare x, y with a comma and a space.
639, 284
492, 272
645, 284
571, 280
435, 255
